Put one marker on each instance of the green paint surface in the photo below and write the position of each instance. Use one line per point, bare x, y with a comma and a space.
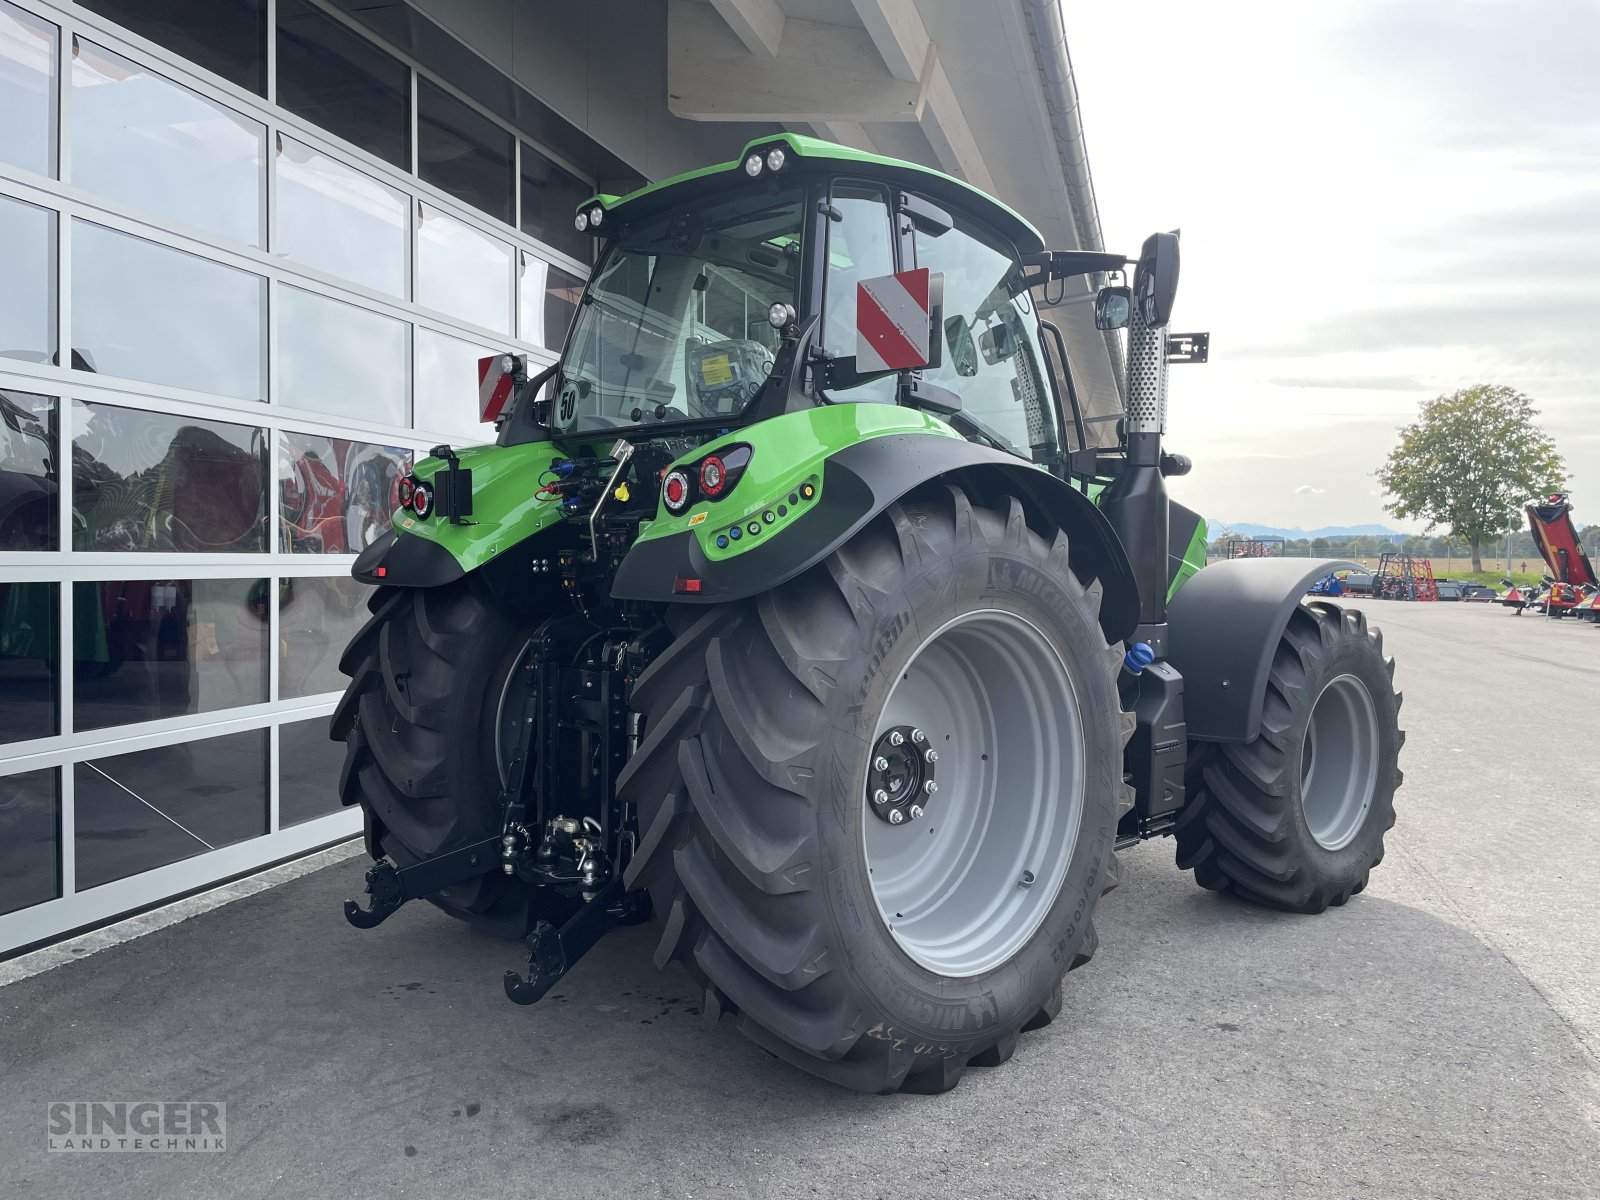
816, 148
1194, 557
505, 507
786, 453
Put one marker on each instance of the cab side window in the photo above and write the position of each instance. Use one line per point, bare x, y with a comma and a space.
990, 334
860, 246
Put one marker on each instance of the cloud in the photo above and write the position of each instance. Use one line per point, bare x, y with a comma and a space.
1305, 489
1518, 77
1373, 383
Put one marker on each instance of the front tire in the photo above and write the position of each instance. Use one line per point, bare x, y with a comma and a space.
1295, 819
419, 719
780, 885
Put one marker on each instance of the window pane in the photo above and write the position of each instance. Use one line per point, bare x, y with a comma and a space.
30, 650
139, 811
858, 248
28, 295
339, 220
462, 151
337, 496
461, 271
316, 620
30, 839
146, 312
153, 648
336, 358
447, 386
144, 140
548, 298
991, 356
150, 481
550, 197
29, 480
27, 90
228, 37
333, 77
309, 763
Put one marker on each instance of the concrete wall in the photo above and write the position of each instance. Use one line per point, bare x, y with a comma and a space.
602, 65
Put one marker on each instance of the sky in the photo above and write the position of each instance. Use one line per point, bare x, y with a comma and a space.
1381, 201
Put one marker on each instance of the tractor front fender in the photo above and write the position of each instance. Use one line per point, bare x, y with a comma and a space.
1223, 628
860, 481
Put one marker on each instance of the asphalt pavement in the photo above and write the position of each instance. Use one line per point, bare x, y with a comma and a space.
1437, 1037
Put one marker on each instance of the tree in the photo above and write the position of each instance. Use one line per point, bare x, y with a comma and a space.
1319, 546
1469, 463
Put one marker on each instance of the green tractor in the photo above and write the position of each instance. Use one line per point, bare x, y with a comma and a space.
800, 606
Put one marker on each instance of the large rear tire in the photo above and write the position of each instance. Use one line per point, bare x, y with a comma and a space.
1295, 819
428, 676
833, 940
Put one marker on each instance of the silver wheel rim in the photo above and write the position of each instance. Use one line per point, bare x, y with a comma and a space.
965, 884
1339, 762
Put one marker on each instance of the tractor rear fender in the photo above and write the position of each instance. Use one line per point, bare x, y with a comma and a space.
1223, 627
854, 484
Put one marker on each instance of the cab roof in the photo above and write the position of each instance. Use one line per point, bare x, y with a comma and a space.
807, 155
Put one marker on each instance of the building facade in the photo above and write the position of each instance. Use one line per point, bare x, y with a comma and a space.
252, 250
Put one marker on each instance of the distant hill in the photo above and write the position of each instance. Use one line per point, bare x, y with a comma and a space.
1249, 529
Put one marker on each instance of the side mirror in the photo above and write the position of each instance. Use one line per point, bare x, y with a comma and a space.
963, 352
1155, 280
1113, 308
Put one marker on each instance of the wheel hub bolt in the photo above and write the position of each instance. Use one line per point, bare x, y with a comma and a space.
918, 736
880, 763
897, 738
930, 755
931, 787
916, 811
896, 816
880, 797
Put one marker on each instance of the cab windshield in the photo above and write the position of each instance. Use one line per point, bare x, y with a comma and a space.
674, 326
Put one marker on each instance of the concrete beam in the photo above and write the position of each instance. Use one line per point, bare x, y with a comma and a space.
756, 23
896, 29
825, 73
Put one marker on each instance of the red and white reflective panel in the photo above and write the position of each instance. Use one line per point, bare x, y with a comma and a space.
494, 385
892, 322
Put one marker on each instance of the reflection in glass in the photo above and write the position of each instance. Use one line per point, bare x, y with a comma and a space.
461, 271
28, 293
317, 617
135, 812
30, 485
547, 298
339, 359
309, 763
152, 481
30, 839
447, 386
463, 152
30, 649
27, 90
339, 81
337, 219
550, 196
228, 37
143, 311
337, 496
153, 648
150, 143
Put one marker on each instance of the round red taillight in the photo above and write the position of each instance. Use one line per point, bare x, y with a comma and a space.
713, 475
421, 500
403, 490
675, 491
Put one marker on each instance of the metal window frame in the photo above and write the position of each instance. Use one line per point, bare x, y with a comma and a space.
64, 566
